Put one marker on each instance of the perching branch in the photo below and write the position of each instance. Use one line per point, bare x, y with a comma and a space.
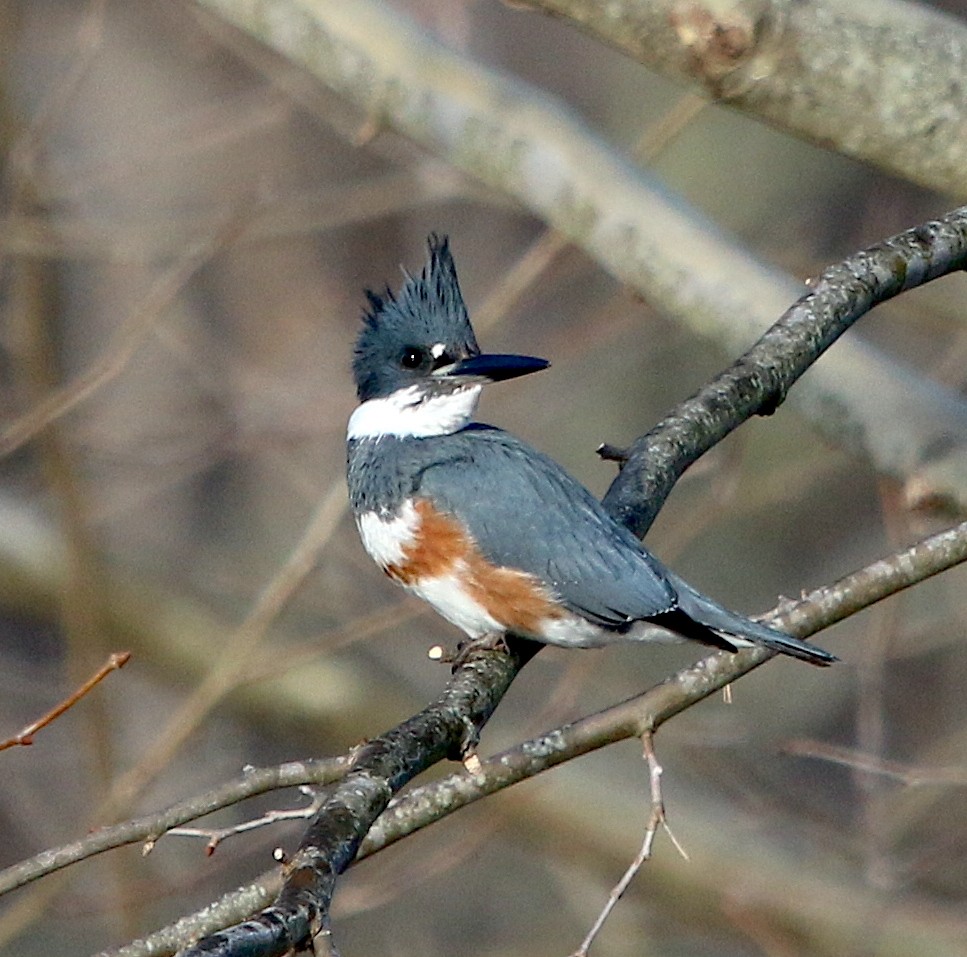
423, 805
759, 381
300, 917
812, 613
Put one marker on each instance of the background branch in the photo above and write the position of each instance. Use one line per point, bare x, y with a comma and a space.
889, 100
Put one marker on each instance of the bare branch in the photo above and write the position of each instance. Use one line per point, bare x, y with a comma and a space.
216, 835
758, 382
26, 736
891, 100
151, 827
656, 820
300, 916
812, 613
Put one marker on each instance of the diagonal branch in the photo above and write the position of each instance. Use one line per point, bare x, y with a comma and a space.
758, 382
892, 98
812, 613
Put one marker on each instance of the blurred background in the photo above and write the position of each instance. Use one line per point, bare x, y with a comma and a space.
187, 234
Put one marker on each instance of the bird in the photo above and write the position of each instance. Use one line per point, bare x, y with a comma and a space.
496, 536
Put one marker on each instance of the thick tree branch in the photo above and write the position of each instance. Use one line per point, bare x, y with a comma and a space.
527, 145
382, 766
760, 380
880, 81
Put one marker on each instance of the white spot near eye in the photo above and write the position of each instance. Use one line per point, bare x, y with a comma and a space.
437, 349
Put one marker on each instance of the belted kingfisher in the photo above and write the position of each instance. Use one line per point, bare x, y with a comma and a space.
496, 536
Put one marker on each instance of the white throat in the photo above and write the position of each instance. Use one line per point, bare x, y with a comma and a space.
413, 413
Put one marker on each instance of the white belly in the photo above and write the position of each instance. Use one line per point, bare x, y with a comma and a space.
449, 599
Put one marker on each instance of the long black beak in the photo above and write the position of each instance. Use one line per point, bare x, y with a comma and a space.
494, 368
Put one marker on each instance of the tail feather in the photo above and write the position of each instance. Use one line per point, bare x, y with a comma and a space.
703, 615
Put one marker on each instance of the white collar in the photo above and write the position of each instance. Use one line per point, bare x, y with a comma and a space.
414, 413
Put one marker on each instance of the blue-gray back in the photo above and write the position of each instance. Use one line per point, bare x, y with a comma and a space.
526, 512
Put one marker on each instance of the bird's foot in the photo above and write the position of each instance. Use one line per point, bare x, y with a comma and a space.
492, 641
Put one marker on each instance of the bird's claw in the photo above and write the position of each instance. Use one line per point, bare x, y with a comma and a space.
493, 641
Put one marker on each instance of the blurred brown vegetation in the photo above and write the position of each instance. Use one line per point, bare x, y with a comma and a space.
187, 237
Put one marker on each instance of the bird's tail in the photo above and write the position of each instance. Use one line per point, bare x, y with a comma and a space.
710, 615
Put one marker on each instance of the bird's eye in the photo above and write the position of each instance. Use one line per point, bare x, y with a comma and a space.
412, 358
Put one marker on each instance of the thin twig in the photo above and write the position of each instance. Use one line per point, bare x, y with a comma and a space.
656, 820
216, 835
912, 775
26, 737
151, 827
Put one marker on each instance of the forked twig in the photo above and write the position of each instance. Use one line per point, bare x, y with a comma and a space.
216, 835
656, 820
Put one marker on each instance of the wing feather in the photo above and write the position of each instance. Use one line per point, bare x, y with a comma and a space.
526, 512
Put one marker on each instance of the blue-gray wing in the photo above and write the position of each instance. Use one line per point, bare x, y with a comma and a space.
525, 512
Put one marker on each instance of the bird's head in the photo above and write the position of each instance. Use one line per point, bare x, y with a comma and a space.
417, 361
